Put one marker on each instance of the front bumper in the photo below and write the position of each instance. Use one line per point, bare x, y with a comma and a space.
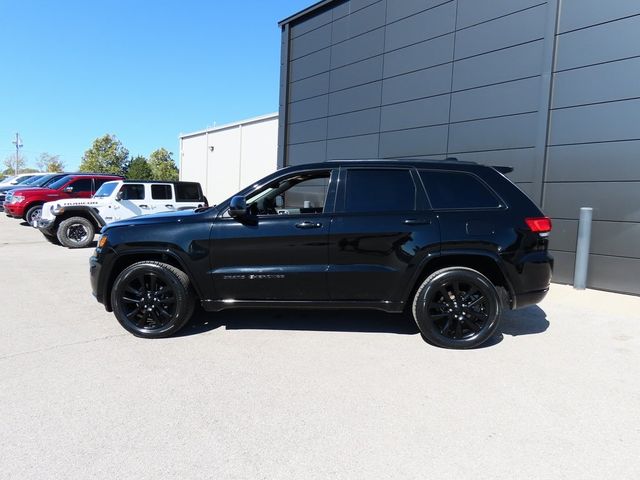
14, 210
46, 226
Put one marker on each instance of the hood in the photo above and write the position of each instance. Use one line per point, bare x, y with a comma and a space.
37, 190
156, 218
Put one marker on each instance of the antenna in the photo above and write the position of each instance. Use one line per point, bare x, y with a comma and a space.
18, 143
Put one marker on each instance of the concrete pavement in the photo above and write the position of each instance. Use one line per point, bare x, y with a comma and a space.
292, 395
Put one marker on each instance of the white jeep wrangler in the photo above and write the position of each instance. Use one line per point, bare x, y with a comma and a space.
74, 222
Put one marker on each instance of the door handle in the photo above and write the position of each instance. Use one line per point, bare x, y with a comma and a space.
170, 206
144, 206
417, 221
308, 225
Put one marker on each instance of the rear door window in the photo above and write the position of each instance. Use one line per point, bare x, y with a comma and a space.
161, 192
382, 190
82, 185
457, 190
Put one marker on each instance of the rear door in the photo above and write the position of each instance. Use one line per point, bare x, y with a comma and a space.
79, 188
162, 197
381, 231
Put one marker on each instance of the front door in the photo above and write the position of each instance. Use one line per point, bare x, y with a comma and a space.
280, 251
132, 201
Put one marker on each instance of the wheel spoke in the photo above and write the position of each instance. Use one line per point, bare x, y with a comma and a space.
168, 300
133, 313
445, 328
131, 300
153, 283
479, 315
439, 315
471, 325
476, 301
458, 333
130, 289
142, 320
439, 305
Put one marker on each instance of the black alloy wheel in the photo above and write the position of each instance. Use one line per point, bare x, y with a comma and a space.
152, 299
457, 308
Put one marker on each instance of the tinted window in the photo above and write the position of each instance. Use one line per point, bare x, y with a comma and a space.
457, 190
59, 183
99, 181
132, 192
188, 192
82, 185
380, 191
161, 192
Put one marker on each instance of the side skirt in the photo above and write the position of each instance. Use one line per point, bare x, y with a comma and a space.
219, 305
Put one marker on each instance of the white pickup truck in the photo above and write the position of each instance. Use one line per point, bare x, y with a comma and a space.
74, 222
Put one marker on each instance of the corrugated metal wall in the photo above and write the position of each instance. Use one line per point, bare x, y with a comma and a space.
547, 87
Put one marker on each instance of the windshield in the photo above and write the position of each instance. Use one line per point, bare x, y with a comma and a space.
58, 183
106, 190
33, 180
21, 180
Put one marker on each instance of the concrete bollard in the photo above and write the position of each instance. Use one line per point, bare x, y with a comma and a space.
582, 249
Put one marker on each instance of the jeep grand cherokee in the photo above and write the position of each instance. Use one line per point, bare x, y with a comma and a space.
455, 243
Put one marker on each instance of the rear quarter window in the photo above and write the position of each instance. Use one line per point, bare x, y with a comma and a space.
457, 190
188, 192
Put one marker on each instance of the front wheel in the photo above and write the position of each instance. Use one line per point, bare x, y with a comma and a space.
33, 214
457, 308
76, 232
152, 299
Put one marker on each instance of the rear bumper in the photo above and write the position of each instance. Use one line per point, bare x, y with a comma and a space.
530, 298
532, 278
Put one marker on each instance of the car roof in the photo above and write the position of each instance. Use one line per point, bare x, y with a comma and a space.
409, 162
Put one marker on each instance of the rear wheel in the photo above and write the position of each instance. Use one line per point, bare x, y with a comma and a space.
33, 214
152, 299
76, 232
457, 308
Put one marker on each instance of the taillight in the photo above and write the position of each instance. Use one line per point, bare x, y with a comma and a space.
539, 225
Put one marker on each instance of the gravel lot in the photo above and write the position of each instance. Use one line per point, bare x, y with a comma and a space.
304, 395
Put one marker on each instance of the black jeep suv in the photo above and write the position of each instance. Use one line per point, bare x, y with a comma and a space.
455, 242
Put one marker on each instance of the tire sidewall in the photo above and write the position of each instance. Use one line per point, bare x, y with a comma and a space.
181, 294
30, 213
437, 280
66, 224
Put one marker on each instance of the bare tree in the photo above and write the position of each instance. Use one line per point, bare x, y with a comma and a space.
50, 163
10, 163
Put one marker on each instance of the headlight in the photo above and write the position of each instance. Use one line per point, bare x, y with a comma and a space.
17, 199
57, 209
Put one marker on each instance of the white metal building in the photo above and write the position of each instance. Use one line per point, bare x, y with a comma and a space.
230, 157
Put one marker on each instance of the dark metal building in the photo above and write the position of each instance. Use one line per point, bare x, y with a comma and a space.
549, 87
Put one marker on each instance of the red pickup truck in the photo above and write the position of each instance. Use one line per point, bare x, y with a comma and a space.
27, 203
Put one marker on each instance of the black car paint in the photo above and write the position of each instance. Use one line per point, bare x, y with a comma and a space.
348, 260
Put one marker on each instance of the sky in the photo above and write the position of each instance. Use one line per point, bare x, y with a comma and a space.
145, 71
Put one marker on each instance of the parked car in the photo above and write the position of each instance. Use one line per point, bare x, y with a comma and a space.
27, 203
33, 182
455, 243
74, 222
17, 179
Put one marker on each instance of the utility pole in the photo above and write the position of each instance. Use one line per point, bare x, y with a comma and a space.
18, 143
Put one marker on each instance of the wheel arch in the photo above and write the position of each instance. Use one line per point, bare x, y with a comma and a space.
123, 261
84, 212
29, 206
484, 262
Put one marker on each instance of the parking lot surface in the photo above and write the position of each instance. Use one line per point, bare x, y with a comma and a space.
304, 395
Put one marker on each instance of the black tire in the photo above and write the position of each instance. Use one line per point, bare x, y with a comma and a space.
152, 299
33, 214
457, 307
76, 232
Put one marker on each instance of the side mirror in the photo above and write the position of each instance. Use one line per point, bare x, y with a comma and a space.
119, 196
238, 207
68, 190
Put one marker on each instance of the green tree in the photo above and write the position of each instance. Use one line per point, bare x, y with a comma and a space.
139, 169
163, 166
106, 155
50, 163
